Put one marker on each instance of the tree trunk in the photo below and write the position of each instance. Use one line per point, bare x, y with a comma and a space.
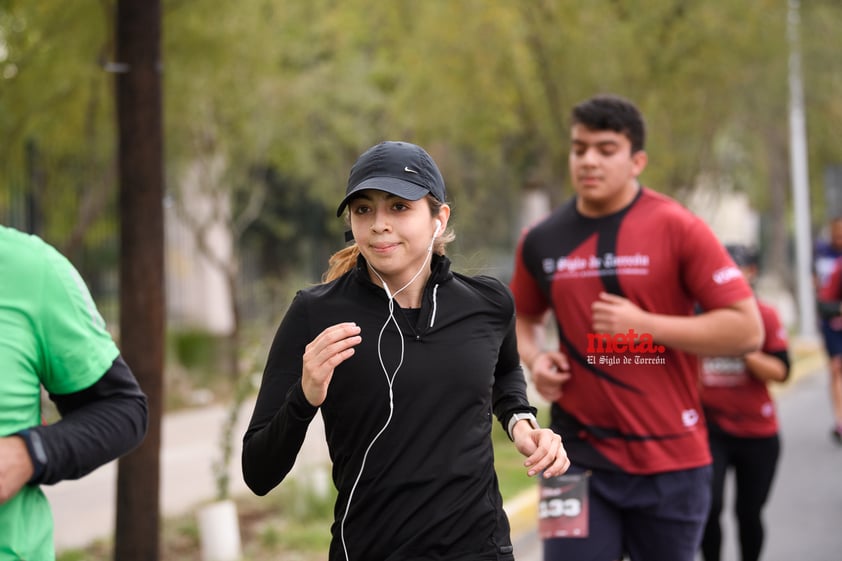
142, 307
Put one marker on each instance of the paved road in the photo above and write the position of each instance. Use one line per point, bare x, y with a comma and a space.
804, 514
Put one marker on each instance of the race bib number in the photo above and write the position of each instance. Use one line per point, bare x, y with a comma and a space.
563, 506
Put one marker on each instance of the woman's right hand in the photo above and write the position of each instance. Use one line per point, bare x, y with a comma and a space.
324, 353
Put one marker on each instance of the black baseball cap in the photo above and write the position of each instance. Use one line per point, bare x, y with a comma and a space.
743, 255
399, 168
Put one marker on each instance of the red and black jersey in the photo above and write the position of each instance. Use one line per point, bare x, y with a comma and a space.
736, 402
631, 404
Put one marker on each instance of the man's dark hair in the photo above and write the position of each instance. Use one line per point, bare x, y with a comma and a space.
743, 255
614, 113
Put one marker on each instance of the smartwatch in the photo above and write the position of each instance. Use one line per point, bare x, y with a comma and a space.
521, 417
35, 447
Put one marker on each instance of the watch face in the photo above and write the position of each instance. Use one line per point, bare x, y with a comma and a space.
531, 418
533, 422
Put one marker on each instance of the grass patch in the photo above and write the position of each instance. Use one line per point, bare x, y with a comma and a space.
508, 462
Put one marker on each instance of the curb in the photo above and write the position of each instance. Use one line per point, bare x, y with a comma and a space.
522, 511
807, 358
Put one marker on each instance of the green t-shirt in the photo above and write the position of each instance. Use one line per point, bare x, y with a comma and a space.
51, 335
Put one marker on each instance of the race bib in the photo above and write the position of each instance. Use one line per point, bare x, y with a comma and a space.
563, 506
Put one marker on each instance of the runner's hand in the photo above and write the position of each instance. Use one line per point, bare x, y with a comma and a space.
543, 449
550, 370
615, 314
15, 466
328, 350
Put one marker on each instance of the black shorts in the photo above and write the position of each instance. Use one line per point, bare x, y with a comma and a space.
657, 517
832, 340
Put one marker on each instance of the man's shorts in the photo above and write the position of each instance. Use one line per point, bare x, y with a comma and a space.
832, 340
657, 517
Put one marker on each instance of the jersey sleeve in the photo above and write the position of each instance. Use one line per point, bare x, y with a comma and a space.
77, 350
776, 335
528, 296
709, 273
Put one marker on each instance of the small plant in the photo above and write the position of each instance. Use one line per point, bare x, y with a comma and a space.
221, 467
270, 538
72, 555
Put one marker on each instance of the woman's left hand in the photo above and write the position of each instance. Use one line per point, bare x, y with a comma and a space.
543, 449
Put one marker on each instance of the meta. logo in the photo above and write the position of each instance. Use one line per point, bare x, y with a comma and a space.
623, 342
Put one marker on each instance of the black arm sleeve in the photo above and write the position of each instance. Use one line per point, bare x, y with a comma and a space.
829, 309
509, 390
98, 424
270, 450
282, 413
783, 356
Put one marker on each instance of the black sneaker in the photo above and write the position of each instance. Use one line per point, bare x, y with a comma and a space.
836, 435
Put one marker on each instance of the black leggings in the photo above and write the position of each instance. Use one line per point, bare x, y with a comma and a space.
754, 461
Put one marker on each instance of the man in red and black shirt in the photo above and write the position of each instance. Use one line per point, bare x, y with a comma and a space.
620, 267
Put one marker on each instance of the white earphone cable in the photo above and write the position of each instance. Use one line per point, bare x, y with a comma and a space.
390, 379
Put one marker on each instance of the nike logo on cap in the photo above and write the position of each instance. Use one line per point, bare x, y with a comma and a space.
408, 170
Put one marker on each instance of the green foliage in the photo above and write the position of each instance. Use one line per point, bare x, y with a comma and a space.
300, 88
56, 111
72, 555
196, 349
294, 518
100, 550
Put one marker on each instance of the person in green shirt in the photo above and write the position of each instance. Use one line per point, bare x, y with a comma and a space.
52, 336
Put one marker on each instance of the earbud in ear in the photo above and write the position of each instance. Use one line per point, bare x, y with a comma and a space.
436, 233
